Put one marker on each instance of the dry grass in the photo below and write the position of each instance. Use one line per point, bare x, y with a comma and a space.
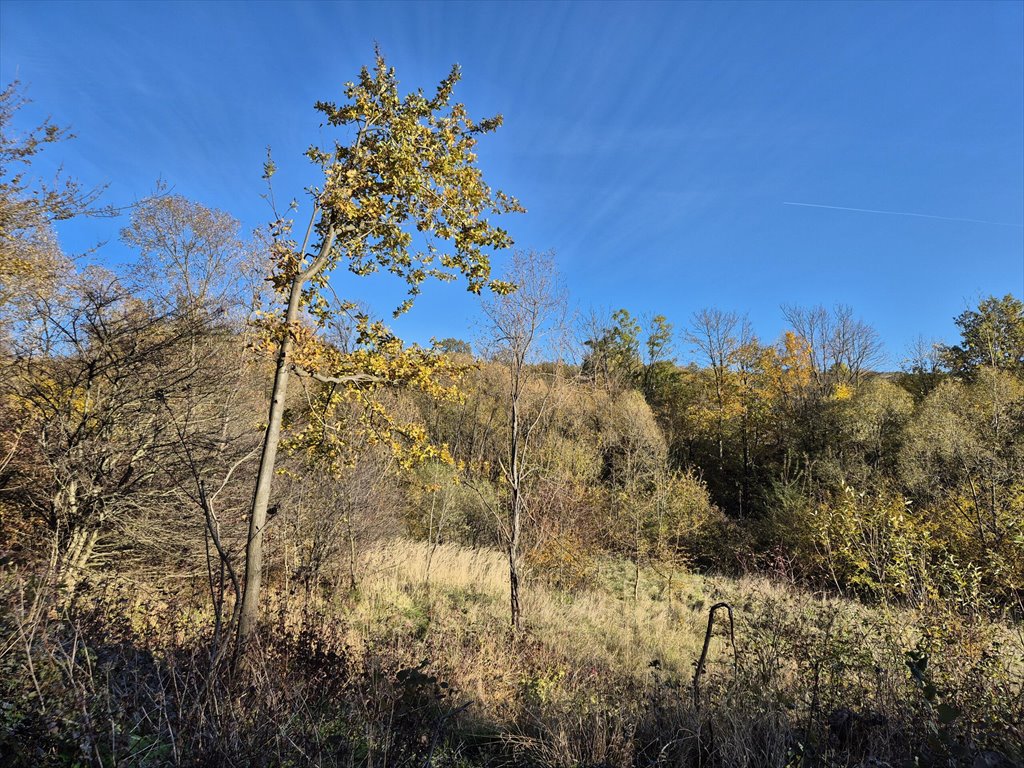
379, 677
599, 625
805, 663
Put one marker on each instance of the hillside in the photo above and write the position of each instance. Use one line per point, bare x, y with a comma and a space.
255, 512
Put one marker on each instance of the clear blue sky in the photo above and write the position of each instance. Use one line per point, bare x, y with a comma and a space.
654, 144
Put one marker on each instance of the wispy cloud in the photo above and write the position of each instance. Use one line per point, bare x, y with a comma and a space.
907, 213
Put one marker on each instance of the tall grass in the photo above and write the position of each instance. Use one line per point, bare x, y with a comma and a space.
417, 666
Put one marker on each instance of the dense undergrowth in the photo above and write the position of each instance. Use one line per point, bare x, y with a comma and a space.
416, 667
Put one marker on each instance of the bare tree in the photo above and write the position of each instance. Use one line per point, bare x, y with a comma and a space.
841, 346
814, 327
523, 328
716, 336
95, 372
330, 516
191, 257
922, 367
856, 345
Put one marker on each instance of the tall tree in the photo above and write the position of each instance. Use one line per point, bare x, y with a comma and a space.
192, 259
658, 362
520, 326
401, 184
756, 371
31, 261
614, 349
992, 335
715, 335
840, 346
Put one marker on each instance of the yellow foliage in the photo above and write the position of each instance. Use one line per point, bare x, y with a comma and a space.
842, 392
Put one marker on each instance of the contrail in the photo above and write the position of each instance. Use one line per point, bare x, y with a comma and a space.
907, 213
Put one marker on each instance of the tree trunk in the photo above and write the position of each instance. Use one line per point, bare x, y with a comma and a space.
636, 578
249, 610
261, 497
513, 580
745, 484
515, 514
636, 548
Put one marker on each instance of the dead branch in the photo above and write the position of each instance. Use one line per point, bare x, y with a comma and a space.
707, 642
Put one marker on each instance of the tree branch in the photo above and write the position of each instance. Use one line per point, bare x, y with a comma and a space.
352, 378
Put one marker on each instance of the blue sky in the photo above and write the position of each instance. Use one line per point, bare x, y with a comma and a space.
654, 145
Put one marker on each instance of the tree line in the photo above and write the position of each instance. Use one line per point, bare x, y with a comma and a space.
212, 426
797, 457
215, 409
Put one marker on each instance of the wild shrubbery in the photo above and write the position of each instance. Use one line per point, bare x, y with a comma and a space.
402, 520
418, 668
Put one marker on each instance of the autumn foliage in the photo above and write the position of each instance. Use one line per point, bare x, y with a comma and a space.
533, 522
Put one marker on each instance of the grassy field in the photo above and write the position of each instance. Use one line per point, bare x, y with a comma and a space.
599, 678
417, 667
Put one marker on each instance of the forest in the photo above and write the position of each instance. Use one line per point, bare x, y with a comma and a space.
242, 523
